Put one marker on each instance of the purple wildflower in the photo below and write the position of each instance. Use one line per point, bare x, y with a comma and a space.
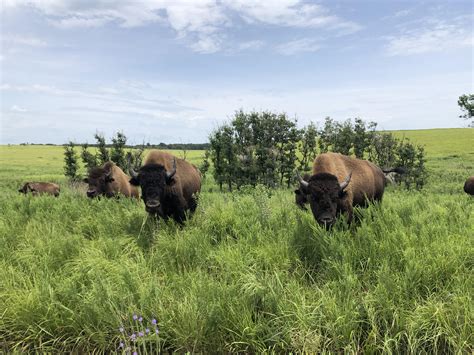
157, 331
140, 319
140, 334
147, 330
121, 345
121, 329
135, 317
135, 353
133, 336
153, 321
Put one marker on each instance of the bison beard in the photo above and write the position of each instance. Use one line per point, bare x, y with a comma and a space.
338, 184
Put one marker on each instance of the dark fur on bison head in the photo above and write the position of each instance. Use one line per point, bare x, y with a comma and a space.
325, 195
154, 181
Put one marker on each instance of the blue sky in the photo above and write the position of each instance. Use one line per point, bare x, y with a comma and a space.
172, 71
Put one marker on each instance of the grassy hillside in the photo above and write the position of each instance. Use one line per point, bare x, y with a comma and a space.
249, 272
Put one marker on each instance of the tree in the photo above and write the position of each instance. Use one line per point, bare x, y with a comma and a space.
102, 152
117, 153
89, 159
70, 160
466, 103
308, 146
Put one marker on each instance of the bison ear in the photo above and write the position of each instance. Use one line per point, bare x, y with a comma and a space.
134, 181
342, 193
109, 179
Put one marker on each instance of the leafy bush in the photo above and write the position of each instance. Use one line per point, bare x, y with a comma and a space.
70, 161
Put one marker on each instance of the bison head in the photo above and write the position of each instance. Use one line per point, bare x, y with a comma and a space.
325, 195
153, 180
99, 180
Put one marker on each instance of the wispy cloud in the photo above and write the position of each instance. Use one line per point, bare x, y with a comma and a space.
303, 45
202, 23
433, 36
16, 108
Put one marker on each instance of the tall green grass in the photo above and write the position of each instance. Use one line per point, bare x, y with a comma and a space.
249, 272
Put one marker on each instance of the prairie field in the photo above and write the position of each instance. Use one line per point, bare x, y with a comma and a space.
249, 272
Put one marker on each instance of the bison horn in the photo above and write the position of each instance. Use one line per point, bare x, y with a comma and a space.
346, 181
170, 174
302, 182
132, 172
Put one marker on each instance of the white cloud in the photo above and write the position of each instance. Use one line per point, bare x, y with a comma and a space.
201, 22
299, 46
16, 108
251, 45
434, 36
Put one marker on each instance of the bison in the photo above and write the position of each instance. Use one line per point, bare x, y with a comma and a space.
469, 186
37, 188
169, 185
338, 184
109, 180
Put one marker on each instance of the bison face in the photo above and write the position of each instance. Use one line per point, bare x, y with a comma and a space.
153, 180
324, 194
99, 183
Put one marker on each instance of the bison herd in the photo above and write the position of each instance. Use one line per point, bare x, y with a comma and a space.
170, 186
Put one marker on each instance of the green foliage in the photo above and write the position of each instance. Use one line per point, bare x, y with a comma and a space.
308, 146
205, 165
103, 155
466, 103
89, 159
70, 161
117, 152
255, 148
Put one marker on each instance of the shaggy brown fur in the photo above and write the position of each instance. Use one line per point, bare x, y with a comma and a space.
109, 180
323, 191
168, 196
469, 186
37, 188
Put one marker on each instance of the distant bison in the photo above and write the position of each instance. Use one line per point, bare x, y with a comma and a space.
469, 186
169, 185
109, 180
393, 176
338, 184
37, 188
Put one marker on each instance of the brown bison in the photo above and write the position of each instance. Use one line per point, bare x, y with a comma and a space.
169, 185
338, 184
37, 188
469, 186
109, 180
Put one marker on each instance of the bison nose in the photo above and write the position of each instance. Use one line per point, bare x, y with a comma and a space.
153, 204
91, 193
327, 220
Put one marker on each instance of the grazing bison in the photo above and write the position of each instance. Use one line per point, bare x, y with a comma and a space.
37, 188
300, 198
169, 185
338, 184
469, 186
109, 180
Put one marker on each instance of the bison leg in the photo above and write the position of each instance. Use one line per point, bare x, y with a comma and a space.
192, 204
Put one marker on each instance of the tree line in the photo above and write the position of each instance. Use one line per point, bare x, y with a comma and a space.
267, 148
